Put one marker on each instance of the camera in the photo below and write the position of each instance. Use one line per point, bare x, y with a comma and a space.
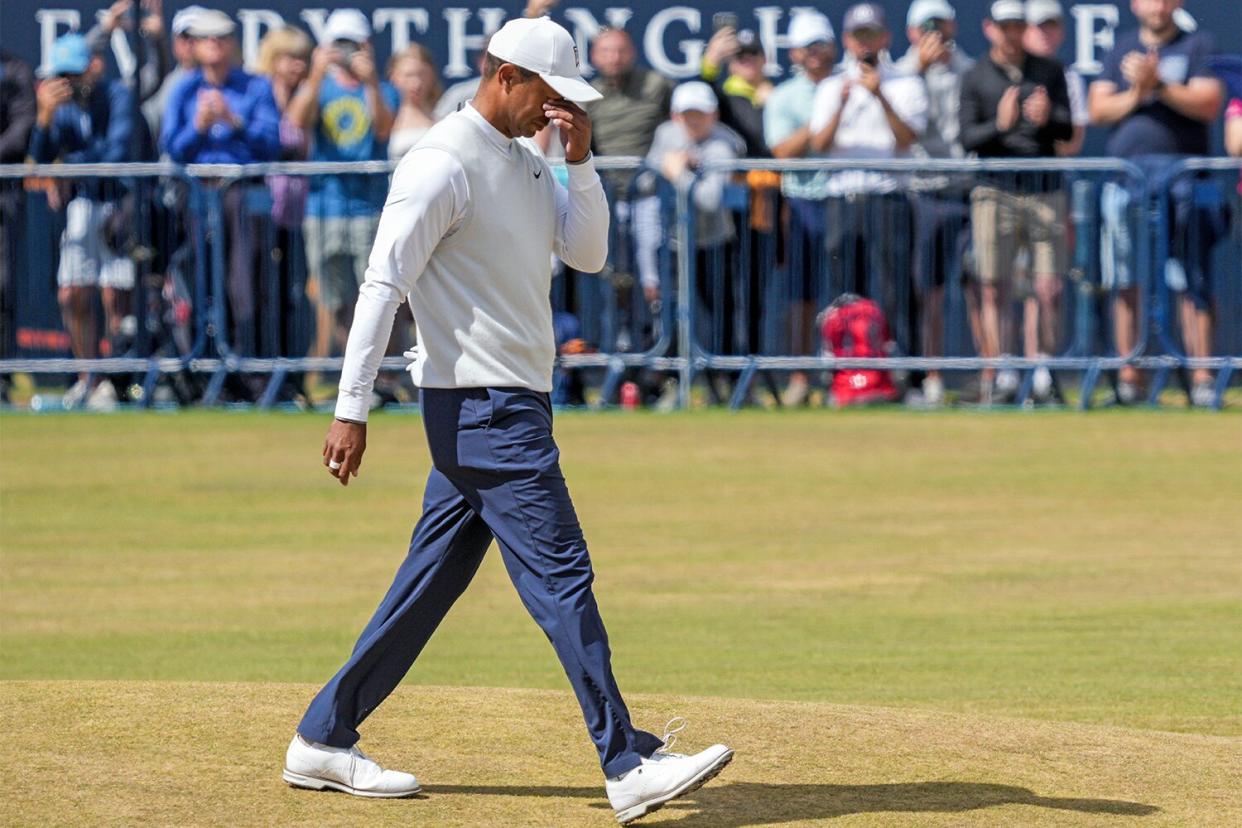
81, 91
347, 49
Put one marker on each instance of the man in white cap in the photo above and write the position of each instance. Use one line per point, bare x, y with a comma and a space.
1014, 105
467, 233
786, 128
941, 210
869, 110
183, 54
682, 147
1159, 96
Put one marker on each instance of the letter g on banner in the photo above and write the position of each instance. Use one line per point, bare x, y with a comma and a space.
691, 49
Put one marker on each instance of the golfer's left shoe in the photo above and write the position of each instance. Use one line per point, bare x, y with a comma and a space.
663, 777
315, 766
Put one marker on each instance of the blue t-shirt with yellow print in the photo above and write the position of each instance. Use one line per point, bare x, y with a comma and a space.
345, 132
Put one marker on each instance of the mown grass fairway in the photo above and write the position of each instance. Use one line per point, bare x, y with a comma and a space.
951, 618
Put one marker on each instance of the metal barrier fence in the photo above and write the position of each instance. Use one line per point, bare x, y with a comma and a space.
243, 277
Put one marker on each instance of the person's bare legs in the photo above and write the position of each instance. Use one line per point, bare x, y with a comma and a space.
115, 307
802, 337
1048, 290
933, 327
1125, 330
77, 309
1197, 336
989, 330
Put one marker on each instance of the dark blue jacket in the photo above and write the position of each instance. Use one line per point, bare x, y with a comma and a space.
100, 133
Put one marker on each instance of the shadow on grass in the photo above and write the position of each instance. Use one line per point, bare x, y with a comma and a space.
751, 803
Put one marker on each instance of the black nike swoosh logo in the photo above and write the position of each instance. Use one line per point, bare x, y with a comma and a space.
538, 173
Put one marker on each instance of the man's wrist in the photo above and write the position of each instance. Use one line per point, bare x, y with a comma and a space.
581, 160
341, 419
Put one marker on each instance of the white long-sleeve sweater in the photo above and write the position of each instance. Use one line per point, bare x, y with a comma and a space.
466, 233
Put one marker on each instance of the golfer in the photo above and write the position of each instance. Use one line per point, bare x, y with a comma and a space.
471, 219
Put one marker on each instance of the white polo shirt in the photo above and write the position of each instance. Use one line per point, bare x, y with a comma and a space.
864, 132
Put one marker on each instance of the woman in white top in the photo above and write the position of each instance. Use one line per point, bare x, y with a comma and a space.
413, 73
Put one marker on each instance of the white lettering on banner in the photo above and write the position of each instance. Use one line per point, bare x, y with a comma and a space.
253, 22
401, 20
460, 43
770, 36
585, 27
315, 20
126, 63
50, 21
691, 50
1094, 30
1088, 40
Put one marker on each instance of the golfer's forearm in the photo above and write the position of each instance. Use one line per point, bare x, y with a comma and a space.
368, 340
583, 220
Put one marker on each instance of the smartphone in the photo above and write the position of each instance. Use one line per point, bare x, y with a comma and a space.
871, 59
724, 20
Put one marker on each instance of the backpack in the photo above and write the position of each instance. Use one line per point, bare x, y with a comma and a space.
855, 327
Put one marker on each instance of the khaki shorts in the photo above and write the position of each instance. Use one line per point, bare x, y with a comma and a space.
337, 250
1003, 224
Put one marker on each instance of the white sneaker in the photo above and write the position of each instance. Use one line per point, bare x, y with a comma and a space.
933, 391
663, 777
315, 766
1203, 395
76, 394
103, 398
1041, 383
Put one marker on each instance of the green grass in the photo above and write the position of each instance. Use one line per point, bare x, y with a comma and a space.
1081, 568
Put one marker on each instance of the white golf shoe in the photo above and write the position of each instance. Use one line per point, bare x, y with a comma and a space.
315, 766
663, 777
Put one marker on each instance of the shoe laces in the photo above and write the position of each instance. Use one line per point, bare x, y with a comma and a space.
675, 725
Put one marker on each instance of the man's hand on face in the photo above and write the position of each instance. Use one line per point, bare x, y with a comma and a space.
932, 50
574, 125
869, 78
362, 65
53, 93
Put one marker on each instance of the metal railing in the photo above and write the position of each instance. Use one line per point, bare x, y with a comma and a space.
221, 275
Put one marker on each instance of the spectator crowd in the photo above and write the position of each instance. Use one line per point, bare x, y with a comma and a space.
897, 237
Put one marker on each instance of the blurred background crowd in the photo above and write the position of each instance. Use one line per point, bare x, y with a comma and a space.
864, 254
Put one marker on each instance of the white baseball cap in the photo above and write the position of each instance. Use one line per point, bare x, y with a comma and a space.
346, 24
809, 27
181, 20
546, 48
1007, 11
210, 23
1041, 11
923, 10
694, 96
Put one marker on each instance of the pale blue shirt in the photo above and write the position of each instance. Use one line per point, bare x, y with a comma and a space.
787, 110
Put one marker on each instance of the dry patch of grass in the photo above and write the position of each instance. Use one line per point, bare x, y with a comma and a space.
162, 753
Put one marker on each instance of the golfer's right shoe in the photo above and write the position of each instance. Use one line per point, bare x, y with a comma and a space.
661, 778
315, 766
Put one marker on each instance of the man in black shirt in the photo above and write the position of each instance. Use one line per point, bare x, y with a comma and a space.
1015, 105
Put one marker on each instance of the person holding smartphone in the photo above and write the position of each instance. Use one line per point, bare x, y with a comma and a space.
348, 112
942, 205
869, 110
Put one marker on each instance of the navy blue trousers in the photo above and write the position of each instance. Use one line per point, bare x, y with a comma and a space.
496, 474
